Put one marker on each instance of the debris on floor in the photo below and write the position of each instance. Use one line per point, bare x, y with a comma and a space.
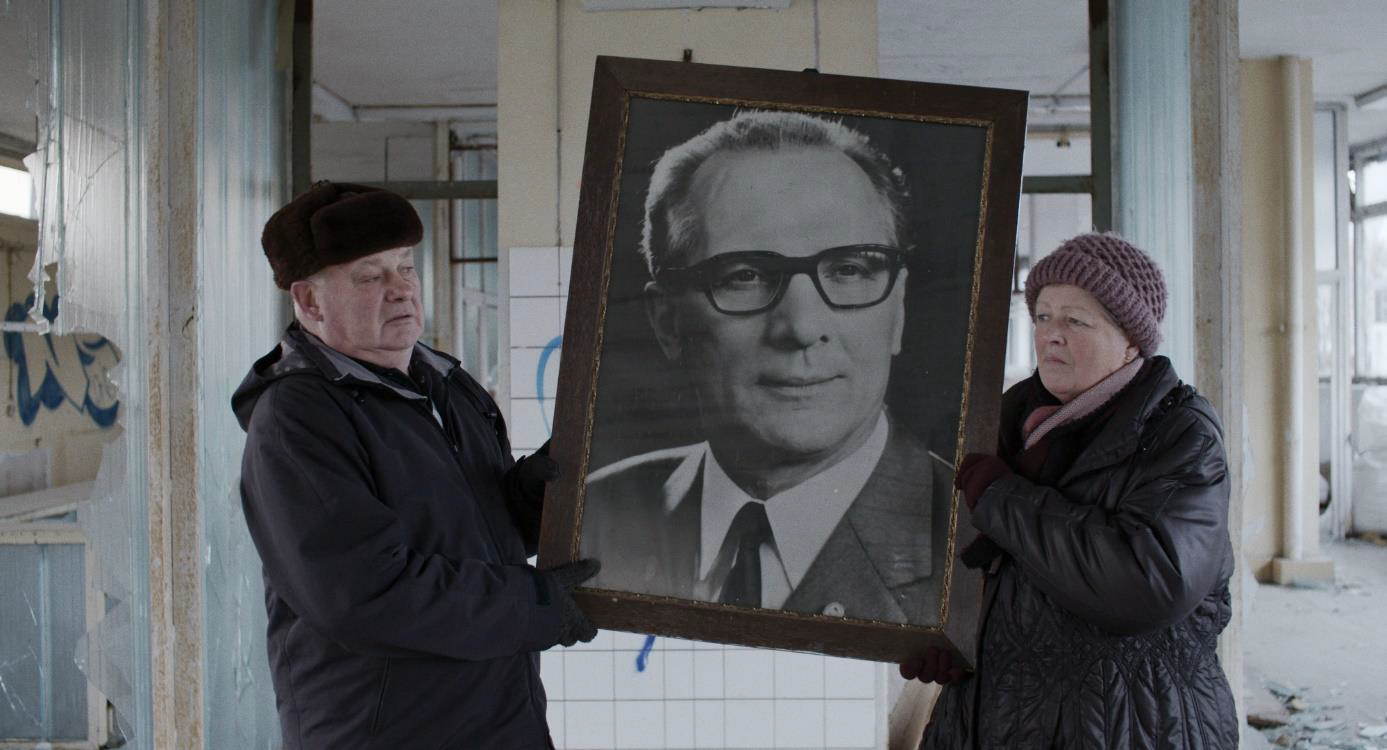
1314, 656
1294, 717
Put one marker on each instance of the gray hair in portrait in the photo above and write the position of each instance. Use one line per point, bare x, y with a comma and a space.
673, 226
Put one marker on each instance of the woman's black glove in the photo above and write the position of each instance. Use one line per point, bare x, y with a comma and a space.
525, 490
976, 473
574, 625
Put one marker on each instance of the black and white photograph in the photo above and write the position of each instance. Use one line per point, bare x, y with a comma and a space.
783, 344
762, 307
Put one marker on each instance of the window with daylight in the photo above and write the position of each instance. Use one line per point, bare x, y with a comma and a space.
474, 256
16, 192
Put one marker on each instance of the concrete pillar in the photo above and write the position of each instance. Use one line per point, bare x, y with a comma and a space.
1176, 190
1216, 225
170, 280
1281, 399
1152, 157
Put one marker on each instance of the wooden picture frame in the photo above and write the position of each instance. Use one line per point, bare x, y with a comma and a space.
683, 392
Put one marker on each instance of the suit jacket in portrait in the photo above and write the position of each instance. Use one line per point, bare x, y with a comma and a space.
883, 561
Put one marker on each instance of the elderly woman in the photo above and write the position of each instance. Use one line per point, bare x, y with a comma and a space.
1105, 541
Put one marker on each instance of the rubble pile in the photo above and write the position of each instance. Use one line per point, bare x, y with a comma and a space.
1295, 718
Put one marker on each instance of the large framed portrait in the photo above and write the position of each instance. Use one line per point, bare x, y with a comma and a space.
786, 324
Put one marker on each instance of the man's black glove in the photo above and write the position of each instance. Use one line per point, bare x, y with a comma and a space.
574, 626
525, 491
936, 665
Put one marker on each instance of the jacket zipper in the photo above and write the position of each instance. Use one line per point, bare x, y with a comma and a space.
462, 474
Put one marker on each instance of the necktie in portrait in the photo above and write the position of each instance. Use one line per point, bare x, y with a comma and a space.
749, 530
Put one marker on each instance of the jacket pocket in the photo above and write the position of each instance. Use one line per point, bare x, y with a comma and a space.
380, 698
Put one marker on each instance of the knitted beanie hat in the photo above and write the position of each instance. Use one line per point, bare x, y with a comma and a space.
1122, 277
333, 223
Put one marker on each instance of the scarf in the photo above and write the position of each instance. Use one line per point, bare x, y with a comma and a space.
1046, 418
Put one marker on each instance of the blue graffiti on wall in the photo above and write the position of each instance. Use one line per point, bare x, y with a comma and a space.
550, 349
44, 373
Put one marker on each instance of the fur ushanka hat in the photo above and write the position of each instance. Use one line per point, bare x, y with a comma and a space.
333, 223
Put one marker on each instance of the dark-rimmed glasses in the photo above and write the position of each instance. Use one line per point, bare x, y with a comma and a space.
745, 283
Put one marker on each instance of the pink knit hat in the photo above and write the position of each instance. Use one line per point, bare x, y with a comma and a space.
1123, 278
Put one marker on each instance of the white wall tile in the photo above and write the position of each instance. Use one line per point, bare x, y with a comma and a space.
534, 321
707, 669
588, 675
528, 430
548, 405
799, 723
709, 724
798, 675
679, 724
554, 712
749, 674
851, 678
749, 723
591, 726
633, 684
854, 723
629, 641
523, 363
565, 268
640, 725
534, 271
524, 366
551, 673
679, 673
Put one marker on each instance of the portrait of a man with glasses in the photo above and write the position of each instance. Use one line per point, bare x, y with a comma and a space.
778, 250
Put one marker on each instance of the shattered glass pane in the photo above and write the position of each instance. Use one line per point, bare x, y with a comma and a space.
241, 160
67, 606
89, 174
21, 705
42, 694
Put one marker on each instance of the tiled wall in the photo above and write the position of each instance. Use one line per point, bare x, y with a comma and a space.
680, 694
702, 695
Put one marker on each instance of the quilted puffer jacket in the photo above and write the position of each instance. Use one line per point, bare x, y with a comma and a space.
1103, 608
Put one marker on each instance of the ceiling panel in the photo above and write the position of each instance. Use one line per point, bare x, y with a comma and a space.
414, 52
17, 50
1037, 45
1345, 39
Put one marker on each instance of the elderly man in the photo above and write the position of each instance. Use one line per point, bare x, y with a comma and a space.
776, 243
380, 492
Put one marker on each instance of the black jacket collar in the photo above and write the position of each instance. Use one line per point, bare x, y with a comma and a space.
302, 353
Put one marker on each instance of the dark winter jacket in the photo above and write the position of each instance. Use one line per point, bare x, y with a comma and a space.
402, 613
1102, 613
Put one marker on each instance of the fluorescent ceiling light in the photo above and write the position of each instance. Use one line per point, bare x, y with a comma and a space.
1375, 99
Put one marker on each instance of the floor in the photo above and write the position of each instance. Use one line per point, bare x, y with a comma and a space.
1316, 657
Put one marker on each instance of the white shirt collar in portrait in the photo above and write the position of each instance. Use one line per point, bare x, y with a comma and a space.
802, 518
